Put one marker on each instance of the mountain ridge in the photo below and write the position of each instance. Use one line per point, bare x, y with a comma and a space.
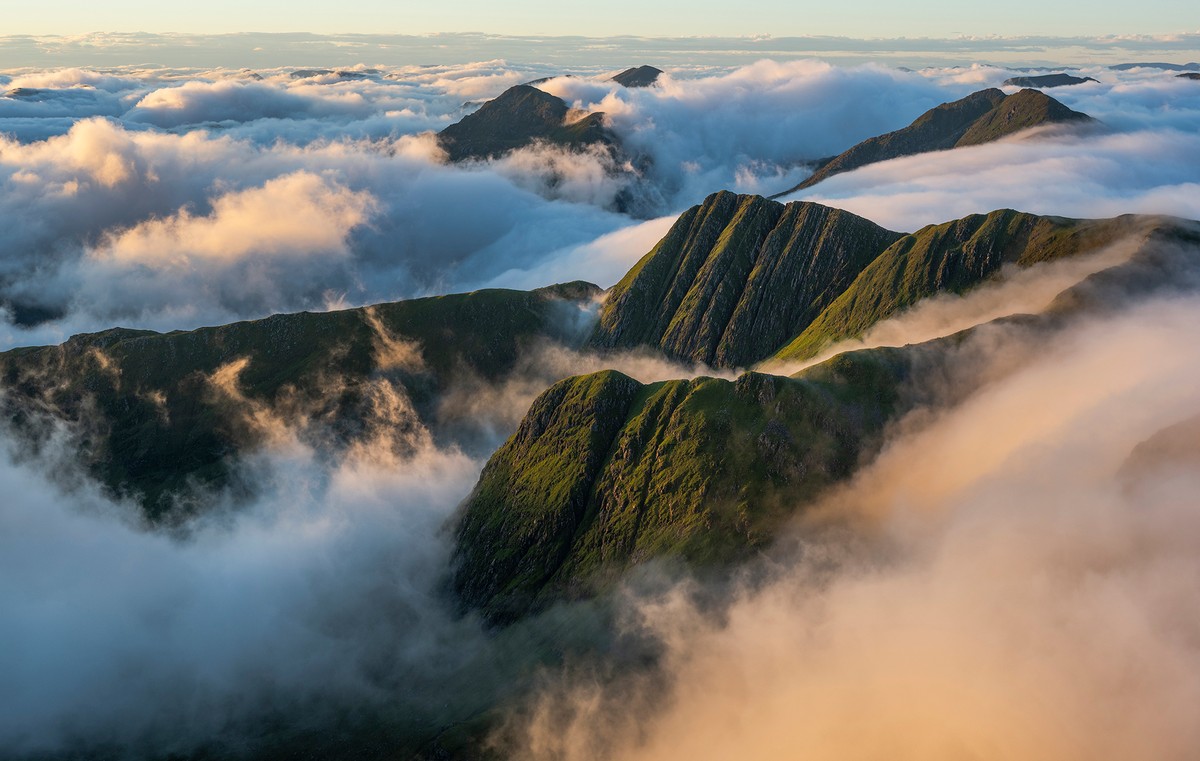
735, 276
154, 427
517, 118
980, 117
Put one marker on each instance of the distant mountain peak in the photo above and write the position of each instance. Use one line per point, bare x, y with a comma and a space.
1048, 80
518, 117
980, 117
638, 76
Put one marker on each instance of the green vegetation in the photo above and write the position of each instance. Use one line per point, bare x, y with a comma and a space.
980, 117
740, 279
1021, 110
736, 277
605, 472
155, 421
952, 257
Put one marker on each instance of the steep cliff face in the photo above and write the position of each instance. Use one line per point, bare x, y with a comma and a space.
519, 117
741, 279
606, 472
156, 414
980, 117
736, 277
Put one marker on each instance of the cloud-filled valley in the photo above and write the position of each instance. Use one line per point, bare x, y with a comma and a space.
1005, 567
98, 164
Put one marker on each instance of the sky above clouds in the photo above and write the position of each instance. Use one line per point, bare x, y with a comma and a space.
674, 18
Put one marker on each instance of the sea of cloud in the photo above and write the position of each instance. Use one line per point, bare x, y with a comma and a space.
171, 198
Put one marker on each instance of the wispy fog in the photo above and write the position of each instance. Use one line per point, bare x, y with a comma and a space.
999, 584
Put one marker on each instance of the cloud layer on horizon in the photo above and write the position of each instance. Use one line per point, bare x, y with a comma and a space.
102, 163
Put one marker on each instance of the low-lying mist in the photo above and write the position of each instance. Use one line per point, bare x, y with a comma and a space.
998, 584
319, 598
313, 614
1012, 291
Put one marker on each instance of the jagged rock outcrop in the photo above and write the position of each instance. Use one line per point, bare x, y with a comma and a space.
519, 117
736, 277
605, 472
1047, 80
980, 117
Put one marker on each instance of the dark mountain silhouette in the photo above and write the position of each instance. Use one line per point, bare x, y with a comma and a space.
979, 118
1048, 80
639, 76
519, 117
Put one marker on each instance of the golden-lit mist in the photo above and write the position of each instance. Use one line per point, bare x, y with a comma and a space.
1008, 598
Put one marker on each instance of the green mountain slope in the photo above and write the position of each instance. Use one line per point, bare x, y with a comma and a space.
519, 117
605, 472
741, 279
736, 277
159, 413
951, 257
980, 117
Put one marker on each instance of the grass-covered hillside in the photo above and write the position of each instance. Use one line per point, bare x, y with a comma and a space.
981, 117
740, 279
736, 277
605, 472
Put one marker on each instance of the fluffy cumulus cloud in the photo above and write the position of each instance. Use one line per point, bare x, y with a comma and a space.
753, 129
235, 101
285, 189
288, 189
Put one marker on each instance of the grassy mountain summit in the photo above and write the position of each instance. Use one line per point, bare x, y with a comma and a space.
980, 117
736, 277
739, 279
519, 117
605, 473
951, 257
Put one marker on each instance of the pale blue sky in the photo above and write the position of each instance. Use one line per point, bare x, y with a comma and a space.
853, 18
